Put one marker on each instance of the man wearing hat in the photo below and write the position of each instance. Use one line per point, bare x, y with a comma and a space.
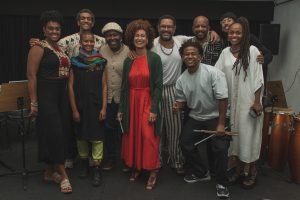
115, 52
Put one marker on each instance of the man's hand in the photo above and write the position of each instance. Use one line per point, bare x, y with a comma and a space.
220, 129
33, 41
177, 106
260, 58
132, 55
214, 37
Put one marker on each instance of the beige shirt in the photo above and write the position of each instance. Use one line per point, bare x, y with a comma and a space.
114, 68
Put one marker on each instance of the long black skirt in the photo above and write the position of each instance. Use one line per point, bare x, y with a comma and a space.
53, 121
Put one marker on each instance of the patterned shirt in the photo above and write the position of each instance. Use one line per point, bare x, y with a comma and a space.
211, 51
69, 44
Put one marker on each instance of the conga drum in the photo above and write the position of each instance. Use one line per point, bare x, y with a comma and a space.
294, 151
281, 126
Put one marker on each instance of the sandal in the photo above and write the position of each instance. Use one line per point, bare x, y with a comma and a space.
134, 176
249, 181
54, 177
65, 186
151, 182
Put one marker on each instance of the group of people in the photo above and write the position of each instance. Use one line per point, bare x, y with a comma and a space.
137, 87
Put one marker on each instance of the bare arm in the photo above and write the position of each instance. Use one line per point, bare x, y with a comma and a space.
75, 113
33, 61
222, 104
102, 115
214, 37
257, 107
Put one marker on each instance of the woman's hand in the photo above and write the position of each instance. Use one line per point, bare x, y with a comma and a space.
119, 116
152, 117
258, 108
102, 114
33, 111
76, 116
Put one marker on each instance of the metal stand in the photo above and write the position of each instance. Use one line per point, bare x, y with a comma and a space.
21, 129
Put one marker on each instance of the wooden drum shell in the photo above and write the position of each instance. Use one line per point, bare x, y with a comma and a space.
294, 151
279, 140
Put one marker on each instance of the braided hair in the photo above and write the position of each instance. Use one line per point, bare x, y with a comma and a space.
244, 53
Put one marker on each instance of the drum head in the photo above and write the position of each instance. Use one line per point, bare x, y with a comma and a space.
278, 110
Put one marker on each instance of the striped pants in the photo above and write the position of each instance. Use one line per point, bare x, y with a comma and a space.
171, 126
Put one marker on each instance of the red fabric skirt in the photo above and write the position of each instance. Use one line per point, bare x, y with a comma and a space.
140, 146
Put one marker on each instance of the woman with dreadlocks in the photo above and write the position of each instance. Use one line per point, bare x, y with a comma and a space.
245, 87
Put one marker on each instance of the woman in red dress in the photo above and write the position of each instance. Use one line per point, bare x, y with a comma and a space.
140, 96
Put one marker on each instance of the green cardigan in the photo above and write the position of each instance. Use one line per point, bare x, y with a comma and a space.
155, 69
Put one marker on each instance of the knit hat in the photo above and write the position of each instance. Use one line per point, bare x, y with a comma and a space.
112, 26
228, 15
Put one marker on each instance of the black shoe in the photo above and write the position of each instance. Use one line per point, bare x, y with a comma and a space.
108, 165
84, 168
96, 176
222, 191
193, 178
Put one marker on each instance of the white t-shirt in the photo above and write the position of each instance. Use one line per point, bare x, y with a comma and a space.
201, 90
171, 59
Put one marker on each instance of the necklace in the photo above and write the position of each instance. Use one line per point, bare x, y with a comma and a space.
164, 52
234, 51
64, 61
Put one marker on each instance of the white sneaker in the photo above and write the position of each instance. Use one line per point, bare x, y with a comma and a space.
69, 164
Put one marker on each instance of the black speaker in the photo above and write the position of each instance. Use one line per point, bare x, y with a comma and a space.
269, 35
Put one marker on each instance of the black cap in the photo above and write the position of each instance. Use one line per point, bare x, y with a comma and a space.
228, 15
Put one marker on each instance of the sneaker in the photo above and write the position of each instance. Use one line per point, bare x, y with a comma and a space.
222, 191
193, 178
69, 164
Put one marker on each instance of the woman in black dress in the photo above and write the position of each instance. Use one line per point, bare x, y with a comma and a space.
47, 72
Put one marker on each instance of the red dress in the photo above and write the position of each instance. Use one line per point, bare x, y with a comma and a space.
140, 146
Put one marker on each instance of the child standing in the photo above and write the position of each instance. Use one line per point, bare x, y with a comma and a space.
88, 99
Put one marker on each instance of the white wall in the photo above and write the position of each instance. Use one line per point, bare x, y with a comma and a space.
285, 65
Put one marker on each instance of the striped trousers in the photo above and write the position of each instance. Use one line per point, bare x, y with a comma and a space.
171, 126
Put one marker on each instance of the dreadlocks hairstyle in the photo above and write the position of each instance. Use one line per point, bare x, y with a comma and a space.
244, 53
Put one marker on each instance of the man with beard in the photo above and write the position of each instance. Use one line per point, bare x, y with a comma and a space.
167, 47
115, 53
211, 51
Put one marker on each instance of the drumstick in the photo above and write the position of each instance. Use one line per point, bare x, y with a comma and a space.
121, 126
215, 132
212, 135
